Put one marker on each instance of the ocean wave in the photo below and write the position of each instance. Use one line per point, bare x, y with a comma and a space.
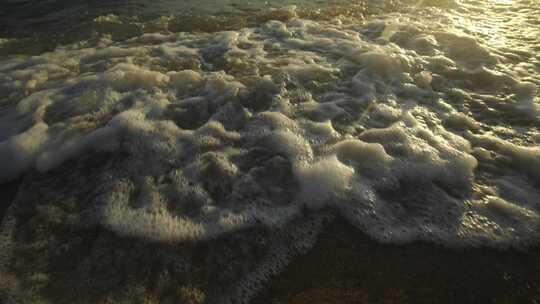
410, 130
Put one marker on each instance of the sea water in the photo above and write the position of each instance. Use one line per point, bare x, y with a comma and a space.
179, 123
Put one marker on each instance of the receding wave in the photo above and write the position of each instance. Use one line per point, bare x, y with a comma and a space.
245, 143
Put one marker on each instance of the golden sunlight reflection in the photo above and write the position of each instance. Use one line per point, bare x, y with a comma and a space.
496, 25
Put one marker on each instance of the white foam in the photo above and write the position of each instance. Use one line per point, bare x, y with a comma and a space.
374, 119
525, 159
18, 153
186, 80
128, 77
403, 126
323, 181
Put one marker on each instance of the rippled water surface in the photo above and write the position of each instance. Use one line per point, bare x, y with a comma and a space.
189, 150
60, 18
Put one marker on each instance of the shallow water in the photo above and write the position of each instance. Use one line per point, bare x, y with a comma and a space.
201, 129
73, 19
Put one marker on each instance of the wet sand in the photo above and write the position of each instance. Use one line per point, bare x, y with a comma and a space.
7, 194
347, 267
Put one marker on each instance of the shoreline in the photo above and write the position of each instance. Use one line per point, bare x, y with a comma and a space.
273, 156
346, 266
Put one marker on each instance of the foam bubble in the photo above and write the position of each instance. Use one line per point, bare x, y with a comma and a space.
323, 180
18, 153
526, 159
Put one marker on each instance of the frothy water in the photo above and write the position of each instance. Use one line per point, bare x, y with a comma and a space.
415, 122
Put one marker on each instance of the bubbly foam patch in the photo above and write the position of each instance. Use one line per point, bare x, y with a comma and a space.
371, 117
410, 130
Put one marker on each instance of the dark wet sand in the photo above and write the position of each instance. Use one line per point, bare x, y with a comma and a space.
347, 267
7, 194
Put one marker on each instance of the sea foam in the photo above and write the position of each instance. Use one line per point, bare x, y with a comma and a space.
410, 131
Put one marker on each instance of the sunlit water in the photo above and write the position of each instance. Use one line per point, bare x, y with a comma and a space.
196, 124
